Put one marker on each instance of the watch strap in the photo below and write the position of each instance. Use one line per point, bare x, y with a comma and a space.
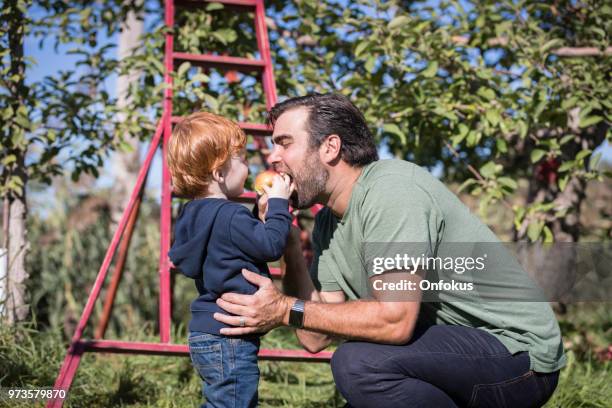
296, 314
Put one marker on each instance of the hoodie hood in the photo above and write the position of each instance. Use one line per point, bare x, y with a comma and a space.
192, 233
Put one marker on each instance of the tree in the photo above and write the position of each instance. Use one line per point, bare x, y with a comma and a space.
126, 164
491, 91
494, 85
65, 123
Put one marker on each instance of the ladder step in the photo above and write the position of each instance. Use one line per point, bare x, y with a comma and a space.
255, 129
138, 347
221, 61
199, 3
276, 273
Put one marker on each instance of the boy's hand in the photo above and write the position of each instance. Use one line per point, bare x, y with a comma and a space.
262, 207
282, 187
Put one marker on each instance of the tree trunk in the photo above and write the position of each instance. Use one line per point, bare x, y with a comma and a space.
16, 306
126, 164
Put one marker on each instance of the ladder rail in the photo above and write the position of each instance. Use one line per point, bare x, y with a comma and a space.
264, 66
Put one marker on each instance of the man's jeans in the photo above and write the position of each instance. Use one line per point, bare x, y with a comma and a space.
228, 368
442, 366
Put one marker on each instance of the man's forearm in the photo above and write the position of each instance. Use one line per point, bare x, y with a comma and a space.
297, 283
373, 321
296, 280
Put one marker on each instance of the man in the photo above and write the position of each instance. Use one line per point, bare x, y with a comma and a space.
405, 352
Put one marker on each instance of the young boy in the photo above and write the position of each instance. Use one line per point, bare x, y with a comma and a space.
214, 240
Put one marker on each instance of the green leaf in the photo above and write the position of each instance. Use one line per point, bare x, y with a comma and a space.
483, 74
488, 170
370, 63
211, 102
11, 158
398, 22
361, 47
536, 155
22, 121
214, 6
563, 182
486, 93
590, 121
582, 154
519, 214
508, 182
492, 116
465, 184
225, 35
463, 132
566, 139
455, 140
502, 147
565, 166
523, 129
473, 138
569, 103
534, 230
7, 113
124, 146
395, 130
183, 69
548, 235
555, 43
431, 70
595, 159
200, 78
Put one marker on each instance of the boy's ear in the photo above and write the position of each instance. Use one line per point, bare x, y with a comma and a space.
217, 175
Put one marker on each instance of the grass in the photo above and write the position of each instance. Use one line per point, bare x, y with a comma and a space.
30, 358
583, 384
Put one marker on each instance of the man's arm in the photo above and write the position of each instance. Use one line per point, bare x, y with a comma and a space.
390, 322
297, 283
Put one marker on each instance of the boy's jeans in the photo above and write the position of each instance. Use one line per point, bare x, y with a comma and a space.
228, 368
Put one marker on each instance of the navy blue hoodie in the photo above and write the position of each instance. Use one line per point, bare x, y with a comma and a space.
214, 239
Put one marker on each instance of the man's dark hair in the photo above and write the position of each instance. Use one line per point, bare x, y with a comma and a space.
333, 114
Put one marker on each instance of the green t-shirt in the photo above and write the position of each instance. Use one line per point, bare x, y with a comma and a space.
395, 201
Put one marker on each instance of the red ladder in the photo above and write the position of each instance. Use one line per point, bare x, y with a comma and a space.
78, 345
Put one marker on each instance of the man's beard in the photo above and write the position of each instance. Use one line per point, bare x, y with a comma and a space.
309, 182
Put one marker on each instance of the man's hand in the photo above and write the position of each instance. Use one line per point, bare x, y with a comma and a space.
262, 311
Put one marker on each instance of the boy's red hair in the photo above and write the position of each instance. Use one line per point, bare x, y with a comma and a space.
201, 143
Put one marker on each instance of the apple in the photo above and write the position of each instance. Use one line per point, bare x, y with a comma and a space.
264, 178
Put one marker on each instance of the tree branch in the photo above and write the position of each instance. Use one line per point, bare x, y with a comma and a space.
560, 52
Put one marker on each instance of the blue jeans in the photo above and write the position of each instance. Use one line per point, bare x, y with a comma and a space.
228, 368
442, 366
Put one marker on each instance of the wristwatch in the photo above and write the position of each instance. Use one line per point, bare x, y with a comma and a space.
296, 314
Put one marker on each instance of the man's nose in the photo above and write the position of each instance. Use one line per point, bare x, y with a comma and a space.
274, 157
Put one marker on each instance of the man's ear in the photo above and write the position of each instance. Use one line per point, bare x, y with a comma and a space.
331, 148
